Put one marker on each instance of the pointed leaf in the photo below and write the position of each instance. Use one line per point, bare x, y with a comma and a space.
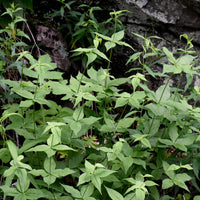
74, 192
173, 132
169, 55
167, 183
13, 149
114, 195
109, 45
140, 194
87, 190
118, 36
96, 182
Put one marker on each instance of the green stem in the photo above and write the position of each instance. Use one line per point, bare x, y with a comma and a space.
179, 81
108, 67
165, 88
34, 104
111, 51
81, 78
22, 72
122, 113
160, 100
80, 86
196, 100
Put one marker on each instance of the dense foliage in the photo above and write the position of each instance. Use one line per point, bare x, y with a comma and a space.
111, 144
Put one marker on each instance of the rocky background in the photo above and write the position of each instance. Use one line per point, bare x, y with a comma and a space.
165, 18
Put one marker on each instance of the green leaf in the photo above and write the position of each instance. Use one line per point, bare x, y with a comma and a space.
169, 173
60, 147
135, 82
196, 167
139, 162
125, 123
49, 179
84, 178
127, 163
118, 36
146, 142
105, 149
87, 190
100, 172
124, 44
140, 194
74, 192
180, 146
109, 45
75, 126
130, 196
91, 57
185, 63
23, 93
121, 102
41, 147
90, 120
38, 172
62, 172
49, 165
173, 132
167, 183
134, 57
23, 181
176, 167
89, 167
181, 184
59, 87
180, 180
9, 191
103, 36
10, 171
55, 137
5, 155
114, 195
150, 183
96, 182
197, 197
36, 193
90, 97
154, 193
99, 53
78, 114
169, 55
26, 103
158, 110
13, 149
163, 93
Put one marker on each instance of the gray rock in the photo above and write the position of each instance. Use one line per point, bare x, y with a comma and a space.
53, 44
165, 18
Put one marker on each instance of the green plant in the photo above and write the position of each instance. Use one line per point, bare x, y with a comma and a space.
112, 144
11, 44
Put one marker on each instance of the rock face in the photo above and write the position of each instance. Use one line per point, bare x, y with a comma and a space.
54, 46
165, 18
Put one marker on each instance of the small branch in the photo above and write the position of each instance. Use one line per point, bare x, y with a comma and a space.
35, 43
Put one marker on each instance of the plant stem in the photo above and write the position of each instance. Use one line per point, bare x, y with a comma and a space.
179, 81
81, 78
160, 100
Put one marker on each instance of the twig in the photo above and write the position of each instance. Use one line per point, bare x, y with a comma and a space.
35, 43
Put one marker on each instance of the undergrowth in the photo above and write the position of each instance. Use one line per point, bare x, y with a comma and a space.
112, 144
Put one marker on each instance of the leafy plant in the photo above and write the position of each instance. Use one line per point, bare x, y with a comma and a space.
111, 144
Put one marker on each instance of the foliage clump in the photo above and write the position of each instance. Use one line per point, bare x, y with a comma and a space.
112, 144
